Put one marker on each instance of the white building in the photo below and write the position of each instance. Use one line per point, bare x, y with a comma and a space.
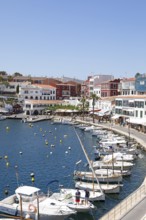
127, 86
74, 101
102, 105
35, 107
132, 108
97, 80
11, 87
97, 90
37, 92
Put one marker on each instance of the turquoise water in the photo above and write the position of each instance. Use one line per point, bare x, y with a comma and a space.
23, 150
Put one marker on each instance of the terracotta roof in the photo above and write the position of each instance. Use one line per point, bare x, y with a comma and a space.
128, 79
110, 98
43, 86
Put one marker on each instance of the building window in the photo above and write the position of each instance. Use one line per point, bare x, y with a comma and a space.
141, 114
136, 113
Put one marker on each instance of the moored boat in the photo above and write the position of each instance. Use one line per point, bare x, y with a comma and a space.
107, 188
108, 177
117, 165
68, 197
29, 201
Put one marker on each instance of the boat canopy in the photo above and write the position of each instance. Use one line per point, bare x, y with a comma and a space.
26, 190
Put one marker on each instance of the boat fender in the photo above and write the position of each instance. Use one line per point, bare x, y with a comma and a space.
32, 208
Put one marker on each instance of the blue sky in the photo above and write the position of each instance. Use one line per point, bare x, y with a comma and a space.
74, 38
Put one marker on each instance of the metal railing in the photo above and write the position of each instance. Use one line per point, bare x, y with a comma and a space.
126, 205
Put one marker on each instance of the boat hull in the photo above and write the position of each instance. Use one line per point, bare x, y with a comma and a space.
107, 188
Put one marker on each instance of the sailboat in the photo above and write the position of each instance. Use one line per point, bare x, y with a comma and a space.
103, 177
106, 188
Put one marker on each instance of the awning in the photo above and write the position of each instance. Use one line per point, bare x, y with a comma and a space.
115, 116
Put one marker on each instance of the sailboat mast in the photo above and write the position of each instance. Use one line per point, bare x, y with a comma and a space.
88, 160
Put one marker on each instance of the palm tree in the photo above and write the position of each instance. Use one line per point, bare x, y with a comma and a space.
94, 97
84, 105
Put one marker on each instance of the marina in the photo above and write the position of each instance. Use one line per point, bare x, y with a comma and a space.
28, 153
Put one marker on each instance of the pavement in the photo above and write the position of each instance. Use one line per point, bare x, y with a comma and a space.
137, 213
132, 133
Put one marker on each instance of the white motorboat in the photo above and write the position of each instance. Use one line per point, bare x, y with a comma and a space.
117, 156
107, 188
113, 143
94, 196
117, 165
29, 201
97, 132
67, 121
2, 117
89, 128
31, 119
68, 197
108, 177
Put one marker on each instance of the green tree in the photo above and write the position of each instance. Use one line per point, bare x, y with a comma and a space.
17, 89
10, 78
137, 75
3, 73
84, 105
17, 74
94, 98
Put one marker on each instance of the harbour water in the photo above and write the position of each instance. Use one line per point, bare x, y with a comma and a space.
51, 151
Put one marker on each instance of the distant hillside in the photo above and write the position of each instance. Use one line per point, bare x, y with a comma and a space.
66, 79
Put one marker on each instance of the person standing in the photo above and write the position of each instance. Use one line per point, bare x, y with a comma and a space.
77, 196
87, 195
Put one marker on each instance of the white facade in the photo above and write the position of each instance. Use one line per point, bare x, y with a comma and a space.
38, 106
38, 92
97, 90
132, 107
12, 87
104, 105
97, 80
75, 101
127, 86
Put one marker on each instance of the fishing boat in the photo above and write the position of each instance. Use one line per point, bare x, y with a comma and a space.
108, 177
107, 188
30, 201
67, 196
